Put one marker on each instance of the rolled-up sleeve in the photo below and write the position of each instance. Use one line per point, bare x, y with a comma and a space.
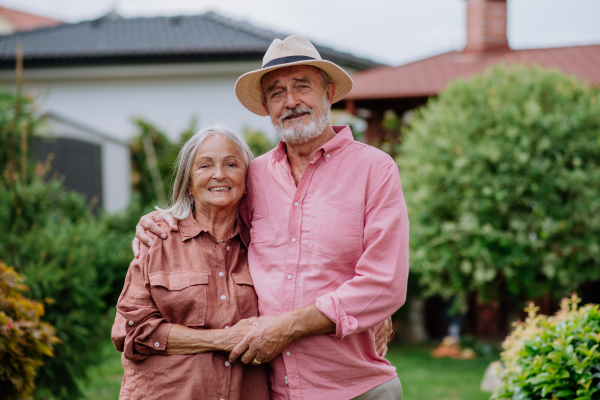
378, 288
139, 329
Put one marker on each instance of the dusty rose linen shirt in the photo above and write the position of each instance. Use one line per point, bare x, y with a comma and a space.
186, 279
340, 240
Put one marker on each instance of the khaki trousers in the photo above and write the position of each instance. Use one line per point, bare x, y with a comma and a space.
390, 390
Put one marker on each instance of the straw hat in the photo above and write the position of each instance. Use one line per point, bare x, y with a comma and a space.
293, 50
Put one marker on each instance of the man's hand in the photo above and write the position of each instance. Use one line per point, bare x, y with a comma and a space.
383, 336
270, 336
148, 222
273, 334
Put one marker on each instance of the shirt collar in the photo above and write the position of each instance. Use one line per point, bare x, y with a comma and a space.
189, 228
333, 147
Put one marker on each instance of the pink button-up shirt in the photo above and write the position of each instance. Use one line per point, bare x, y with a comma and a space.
339, 239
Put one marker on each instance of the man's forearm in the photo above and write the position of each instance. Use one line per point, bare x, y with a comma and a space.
307, 321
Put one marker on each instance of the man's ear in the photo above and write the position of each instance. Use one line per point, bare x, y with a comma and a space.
265, 107
330, 92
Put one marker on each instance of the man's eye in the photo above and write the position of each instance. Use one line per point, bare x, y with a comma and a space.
276, 94
231, 165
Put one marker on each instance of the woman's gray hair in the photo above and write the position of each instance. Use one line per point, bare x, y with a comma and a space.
181, 202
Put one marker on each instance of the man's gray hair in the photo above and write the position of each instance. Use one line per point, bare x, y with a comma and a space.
181, 202
325, 81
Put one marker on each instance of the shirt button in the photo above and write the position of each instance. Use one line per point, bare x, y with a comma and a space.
287, 353
156, 344
228, 248
222, 297
296, 204
327, 156
221, 274
131, 323
294, 240
289, 277
227, 363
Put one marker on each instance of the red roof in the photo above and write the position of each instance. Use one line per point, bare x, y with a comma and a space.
430, 76
22, 21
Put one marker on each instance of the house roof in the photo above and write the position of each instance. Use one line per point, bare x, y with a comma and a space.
430, 76
22, 21
113, 39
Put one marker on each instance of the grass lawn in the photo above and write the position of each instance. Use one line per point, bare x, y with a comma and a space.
426, 378
105, 379
423, 377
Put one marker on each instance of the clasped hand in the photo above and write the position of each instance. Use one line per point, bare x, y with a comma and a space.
269, 337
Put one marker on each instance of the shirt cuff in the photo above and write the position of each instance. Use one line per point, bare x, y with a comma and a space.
158, 341
329, 304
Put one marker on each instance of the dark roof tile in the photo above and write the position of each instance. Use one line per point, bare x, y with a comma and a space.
121, 39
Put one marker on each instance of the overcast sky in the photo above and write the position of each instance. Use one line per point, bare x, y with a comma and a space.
389, 31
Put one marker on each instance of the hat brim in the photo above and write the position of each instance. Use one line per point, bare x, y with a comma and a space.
249, 91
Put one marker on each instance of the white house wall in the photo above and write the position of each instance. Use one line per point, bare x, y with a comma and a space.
107, 98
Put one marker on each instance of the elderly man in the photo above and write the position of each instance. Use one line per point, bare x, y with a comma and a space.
329, 236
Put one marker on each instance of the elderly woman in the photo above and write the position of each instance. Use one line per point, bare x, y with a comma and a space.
187, 299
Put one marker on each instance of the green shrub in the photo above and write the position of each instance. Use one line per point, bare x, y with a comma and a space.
554, 357
24, 339
50, 237
65, 254
501, 175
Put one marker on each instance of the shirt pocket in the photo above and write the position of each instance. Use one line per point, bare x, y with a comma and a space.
336, 227
246, 295
180, 296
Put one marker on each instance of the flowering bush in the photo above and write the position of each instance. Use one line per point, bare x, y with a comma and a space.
554, 357
24, 339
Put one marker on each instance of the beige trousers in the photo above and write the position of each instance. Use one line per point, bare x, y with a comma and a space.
390, 390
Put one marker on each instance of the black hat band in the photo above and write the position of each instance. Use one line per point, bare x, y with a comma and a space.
286, 60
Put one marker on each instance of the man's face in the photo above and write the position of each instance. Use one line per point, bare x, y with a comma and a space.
297, 102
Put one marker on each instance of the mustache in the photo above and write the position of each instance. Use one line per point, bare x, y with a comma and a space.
296, 110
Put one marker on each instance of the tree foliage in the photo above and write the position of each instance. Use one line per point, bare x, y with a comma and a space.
166, 153
258, 141
501, 174
25, 341
554, 357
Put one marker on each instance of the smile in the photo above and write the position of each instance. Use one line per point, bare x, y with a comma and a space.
294, 116
220, 189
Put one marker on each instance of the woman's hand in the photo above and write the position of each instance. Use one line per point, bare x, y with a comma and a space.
383, 336
184, 340
148, 222
232, 336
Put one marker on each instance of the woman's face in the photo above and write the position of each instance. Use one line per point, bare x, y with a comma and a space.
218, 177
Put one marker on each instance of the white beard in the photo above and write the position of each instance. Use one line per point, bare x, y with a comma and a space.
303, 133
